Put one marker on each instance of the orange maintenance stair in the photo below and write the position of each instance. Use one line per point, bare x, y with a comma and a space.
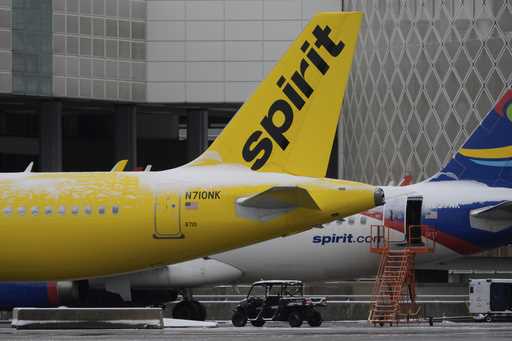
394, 294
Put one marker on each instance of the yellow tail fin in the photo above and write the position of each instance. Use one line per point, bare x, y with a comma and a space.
289, 122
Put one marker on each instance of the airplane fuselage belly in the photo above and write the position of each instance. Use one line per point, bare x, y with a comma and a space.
69, 226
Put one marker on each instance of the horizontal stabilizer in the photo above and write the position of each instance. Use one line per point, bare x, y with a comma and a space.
280, 197
501, 211
119, 166
492, 218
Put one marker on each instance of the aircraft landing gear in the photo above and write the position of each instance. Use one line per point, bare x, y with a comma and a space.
189, 309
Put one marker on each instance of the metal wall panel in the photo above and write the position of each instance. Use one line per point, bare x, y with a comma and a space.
424, 74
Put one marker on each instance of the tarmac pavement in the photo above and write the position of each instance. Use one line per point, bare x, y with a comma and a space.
280, 331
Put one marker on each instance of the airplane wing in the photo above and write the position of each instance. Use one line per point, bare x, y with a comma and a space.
501, 211
280, 197
119, 166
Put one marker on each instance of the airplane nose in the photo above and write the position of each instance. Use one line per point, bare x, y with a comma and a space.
378, 197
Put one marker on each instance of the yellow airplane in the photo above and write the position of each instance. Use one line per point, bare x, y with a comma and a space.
260, 179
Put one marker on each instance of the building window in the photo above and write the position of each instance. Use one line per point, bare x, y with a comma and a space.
7, 211
75, 210
62, 210
35, 210
48, 210
21, 210
115, 209
101, 210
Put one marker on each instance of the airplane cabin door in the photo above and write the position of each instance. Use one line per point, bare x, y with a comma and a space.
413, 220
167, 216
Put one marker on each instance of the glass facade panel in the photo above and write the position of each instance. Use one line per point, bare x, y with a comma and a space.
124, 71
111, 8
72, 66
124, 49
85, 25
124, 9
99, 27
138, 30
72, 6
85, 6
139, 10
85, 87
5, 40
72, 24
98, 68
124, 29
111, 28
111, 70
72, 45
111, 48
85, 68
5, 61
98, 7
85, 46
59, 65
72, 87
138, 51
59, 44
59, 5
98, 91
99, 48
111, 90
59, 23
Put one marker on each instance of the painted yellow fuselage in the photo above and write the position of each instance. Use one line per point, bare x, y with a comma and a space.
78, 225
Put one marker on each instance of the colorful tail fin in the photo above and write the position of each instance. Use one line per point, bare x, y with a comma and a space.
289, 122
487, 154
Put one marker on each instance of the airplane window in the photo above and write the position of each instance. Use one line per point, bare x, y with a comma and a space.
115, 209
48, 210
7, 211
88, 210
75, 210
101, 210
363, 220
351, 221
62, 210
21, 210
35, 210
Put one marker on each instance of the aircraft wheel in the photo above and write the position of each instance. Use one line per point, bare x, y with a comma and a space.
488, 318
188, 310
239, 319
294, 319
315, 319
258, 323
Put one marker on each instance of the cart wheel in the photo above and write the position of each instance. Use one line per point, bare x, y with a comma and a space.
315, 319
488, 318
295, 319
239, 319
258, 323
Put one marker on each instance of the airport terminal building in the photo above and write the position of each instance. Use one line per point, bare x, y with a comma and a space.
84, 83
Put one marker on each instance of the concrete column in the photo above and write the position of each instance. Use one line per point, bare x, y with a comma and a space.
125, 134
50, 146
197, 132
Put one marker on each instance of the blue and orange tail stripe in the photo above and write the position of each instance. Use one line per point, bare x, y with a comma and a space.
487, 154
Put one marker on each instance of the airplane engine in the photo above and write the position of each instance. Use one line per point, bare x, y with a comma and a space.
40, 294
